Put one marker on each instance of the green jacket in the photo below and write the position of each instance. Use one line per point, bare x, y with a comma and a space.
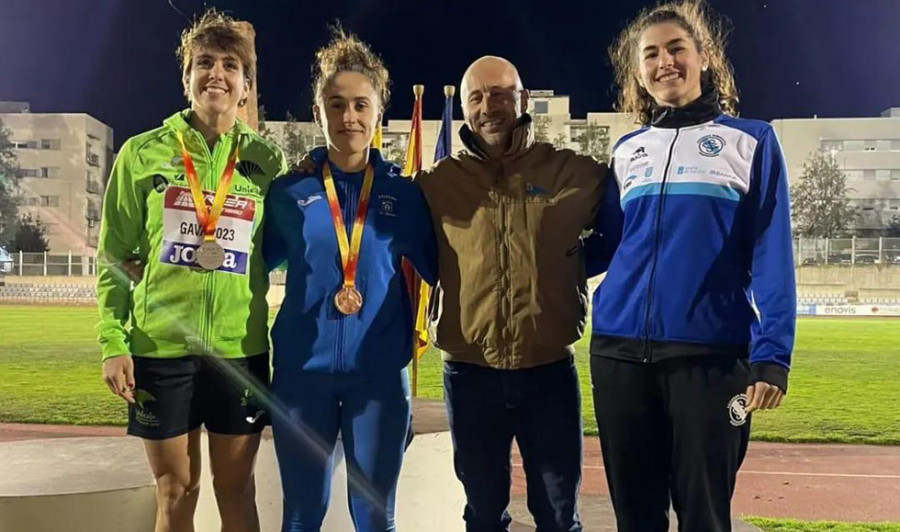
177, 308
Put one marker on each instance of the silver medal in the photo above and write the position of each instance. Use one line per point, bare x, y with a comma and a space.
210, 255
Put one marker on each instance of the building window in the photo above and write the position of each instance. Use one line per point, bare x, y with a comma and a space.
50, 144
895, 175
49, 172
853, 175
541, 107
869, 175
45, 172
882, 175
828, 145
49, 201
895, 145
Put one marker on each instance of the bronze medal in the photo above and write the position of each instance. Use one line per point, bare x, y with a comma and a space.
348, 300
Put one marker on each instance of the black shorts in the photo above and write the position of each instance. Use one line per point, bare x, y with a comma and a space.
174, 396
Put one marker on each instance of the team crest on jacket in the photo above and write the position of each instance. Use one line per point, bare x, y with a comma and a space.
737, 409
388, 205
711, 145
160, 183
249, 169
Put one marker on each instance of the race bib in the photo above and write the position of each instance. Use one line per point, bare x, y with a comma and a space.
182, 235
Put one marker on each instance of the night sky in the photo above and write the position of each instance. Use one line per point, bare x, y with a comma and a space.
114, 59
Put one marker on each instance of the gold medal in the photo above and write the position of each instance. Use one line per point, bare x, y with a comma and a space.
348, 300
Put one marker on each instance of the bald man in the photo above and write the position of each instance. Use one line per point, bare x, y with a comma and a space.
509, 215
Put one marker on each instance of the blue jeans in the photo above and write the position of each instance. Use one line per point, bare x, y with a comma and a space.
372, 415
541, 408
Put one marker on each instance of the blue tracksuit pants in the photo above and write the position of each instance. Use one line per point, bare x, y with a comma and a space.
372, 414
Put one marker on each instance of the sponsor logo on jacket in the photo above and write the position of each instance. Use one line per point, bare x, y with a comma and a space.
639, 153
303, 203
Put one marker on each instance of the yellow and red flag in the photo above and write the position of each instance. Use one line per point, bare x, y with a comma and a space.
378, 139
418, 290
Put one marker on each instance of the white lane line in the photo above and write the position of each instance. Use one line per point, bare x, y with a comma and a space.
786, 473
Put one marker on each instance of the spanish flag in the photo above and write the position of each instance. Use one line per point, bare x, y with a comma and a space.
378, 139
443, 149
418, 290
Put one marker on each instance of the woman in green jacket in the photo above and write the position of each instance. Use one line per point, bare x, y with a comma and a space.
188, 345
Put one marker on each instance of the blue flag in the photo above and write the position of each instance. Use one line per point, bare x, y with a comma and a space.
445, 137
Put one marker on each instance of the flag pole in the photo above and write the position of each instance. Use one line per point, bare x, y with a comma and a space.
418, 90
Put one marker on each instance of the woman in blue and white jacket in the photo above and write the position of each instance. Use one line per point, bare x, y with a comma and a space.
693, 326
343, 336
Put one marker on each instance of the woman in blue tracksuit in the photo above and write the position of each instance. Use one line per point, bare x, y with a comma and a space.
693, 326
343, 337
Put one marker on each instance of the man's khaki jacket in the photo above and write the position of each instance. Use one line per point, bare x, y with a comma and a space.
513, 289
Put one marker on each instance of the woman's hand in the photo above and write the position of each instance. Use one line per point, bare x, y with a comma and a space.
118, 373
763, 396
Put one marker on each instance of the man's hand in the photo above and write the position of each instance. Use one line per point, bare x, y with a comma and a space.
305, 166
134, 268
118, 373
763, 396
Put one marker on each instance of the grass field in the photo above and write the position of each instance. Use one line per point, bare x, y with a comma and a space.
793, 525
843, 386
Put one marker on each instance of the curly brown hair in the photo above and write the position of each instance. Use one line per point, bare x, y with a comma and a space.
708, 31
347, 53
215, 30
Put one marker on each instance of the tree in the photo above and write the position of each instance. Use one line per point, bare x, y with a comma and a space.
561, 141
541, 128
294, 146
264, 132
819, 199
893, 228
594, 141
395, 152
30, 235
9, 188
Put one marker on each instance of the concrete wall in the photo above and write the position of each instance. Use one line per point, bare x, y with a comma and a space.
853, 278
837, 280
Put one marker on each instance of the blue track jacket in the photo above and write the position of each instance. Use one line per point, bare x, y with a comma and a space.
310, 334
695, 233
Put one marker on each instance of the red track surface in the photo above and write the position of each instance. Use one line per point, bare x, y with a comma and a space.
804, 481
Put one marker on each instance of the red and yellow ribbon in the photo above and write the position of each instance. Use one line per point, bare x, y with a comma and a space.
349, 250
208, 218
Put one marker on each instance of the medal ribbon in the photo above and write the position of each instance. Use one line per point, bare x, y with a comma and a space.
208, 218
349, 251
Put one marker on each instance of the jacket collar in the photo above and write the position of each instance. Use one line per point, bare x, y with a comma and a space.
319, 155
703, 109
180, 122
522, 139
